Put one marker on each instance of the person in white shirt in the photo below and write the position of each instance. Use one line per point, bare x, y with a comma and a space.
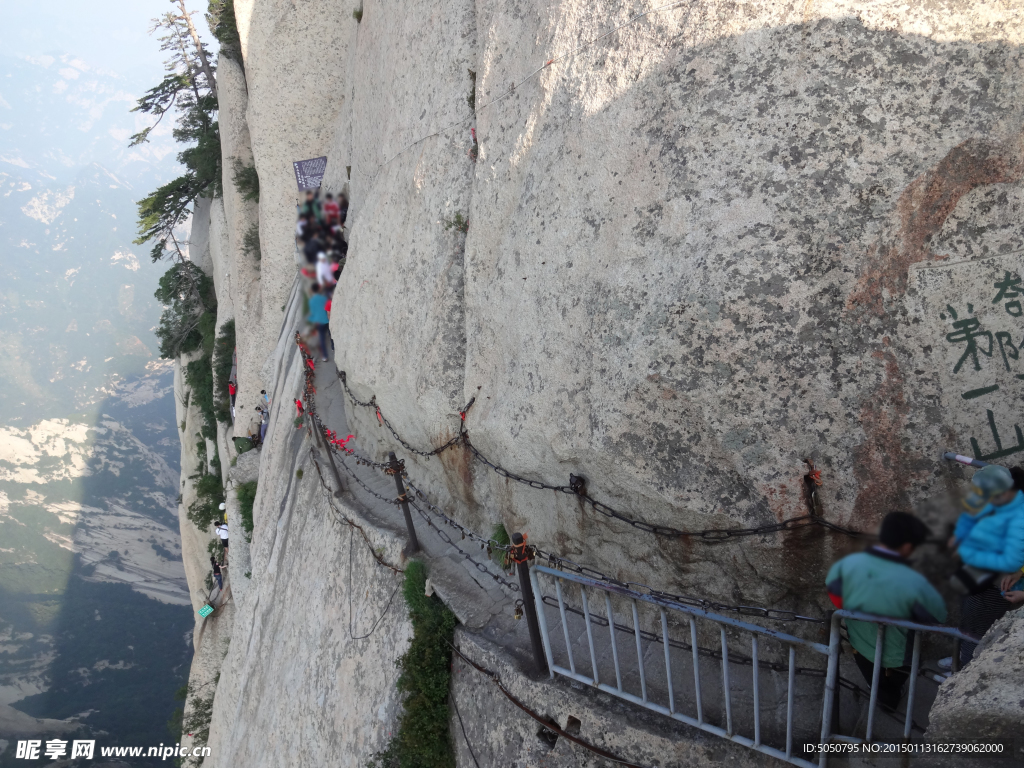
222, 532
325, 274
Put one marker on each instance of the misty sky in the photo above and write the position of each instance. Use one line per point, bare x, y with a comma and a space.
108, 34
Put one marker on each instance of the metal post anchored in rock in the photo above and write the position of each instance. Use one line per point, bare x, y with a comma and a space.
520, 556
396, 470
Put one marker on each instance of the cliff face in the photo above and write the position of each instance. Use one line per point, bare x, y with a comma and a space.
703, 247
700, 250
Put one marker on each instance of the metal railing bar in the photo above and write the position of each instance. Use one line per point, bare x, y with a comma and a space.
696, 671
734, 657
686, 609
757, 692
668, 663
543, 621
639, 652
615, 647
590, 634
709, 728
876, 676
565, 624
725, 682
915, 666
938, 629
831, 678
790, 696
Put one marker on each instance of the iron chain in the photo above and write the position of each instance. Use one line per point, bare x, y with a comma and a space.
711, 535
554, 560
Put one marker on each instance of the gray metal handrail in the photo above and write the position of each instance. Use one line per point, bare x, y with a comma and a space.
832, 674
692, 615
619, 658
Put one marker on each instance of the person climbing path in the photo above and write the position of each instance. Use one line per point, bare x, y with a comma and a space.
216, 573
222, 533
318, 317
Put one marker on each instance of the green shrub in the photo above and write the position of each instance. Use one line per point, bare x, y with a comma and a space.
205, 510
247, 181
246, 493
500, 536
422, 739
199, 378
224, 352
357, 14
251, 242
471, 99
199, 702
186, 293
174, 725
221, 19
458, 222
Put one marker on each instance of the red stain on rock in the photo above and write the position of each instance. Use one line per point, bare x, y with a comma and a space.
458, 471
921, 212
880, 462
785, 501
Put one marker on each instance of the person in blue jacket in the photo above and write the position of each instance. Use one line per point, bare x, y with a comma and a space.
318, 316
990, 545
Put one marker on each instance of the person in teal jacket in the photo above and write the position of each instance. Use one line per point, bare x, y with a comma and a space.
880, 581
318, 316
990, 544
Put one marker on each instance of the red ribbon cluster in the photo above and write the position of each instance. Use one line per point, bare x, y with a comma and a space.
333, 439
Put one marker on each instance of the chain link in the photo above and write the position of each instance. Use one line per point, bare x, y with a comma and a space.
372, 403
555, 561
774, 614
443, 535
340, 516
710, 535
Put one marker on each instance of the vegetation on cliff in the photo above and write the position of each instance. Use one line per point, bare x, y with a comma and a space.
422, 739
246, 499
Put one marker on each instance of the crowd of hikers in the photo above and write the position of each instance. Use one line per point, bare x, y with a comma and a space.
988, 547
320, 236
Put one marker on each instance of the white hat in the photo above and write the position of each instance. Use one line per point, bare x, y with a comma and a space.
322, 256
222, 505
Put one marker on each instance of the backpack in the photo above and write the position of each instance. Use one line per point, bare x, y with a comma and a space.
243, 444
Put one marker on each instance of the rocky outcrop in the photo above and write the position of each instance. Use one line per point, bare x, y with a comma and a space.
981, 703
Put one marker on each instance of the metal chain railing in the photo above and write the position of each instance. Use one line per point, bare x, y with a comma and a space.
774, 614
577, 487
372, 403
443, 535
340, 451
490, 544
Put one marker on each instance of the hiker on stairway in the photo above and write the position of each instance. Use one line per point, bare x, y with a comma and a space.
222, 534
325, 275
216, 572
990, 546
318, 317
311, 206
882, 582
314, 245
332, 211
264, 421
